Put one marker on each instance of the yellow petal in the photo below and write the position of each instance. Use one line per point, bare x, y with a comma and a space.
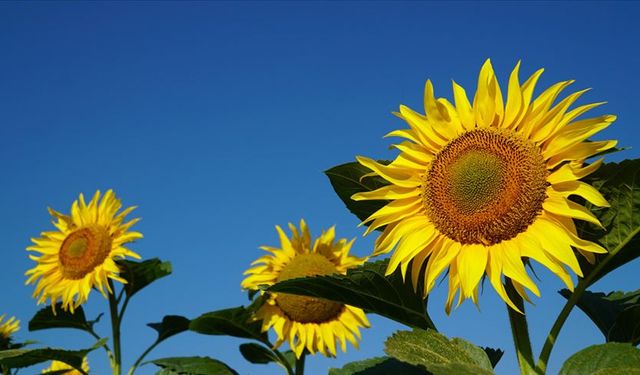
397, 176
571, 172
583, 190
514, 99
471, 263
463, 107
559, 205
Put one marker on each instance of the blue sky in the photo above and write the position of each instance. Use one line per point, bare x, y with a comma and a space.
218, 119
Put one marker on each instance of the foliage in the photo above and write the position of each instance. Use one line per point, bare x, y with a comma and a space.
605, 359
368, 288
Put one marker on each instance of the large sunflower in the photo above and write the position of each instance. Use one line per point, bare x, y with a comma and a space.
58, 367
306, 322
7, 329
478, 186
81, 254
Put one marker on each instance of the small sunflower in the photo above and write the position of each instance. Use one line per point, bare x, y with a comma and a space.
479, 186
81, 254
58, 367
7, 329
306, 322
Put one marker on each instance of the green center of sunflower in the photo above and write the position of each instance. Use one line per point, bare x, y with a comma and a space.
307, 309
485, 187
83, 250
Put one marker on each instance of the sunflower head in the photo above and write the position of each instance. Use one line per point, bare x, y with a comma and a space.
58, 367
306, 322
479, 185
81, 253
7, 329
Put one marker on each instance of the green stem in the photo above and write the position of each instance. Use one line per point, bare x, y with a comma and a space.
300, 364
137, 363
283, 361
545, 353
105, 345
520, 331
115, 329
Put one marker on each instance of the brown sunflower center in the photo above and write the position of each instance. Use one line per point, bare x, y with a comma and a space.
83, 250
307, 309
485, 187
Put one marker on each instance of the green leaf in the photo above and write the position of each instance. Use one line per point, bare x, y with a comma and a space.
46, 319
494, 355
347, 180
620, 185
378, 366
258, 354
192, 366
140, 274
18, 358
615, 314
236, 322
438, 354
367, 287
171, 325
611, 358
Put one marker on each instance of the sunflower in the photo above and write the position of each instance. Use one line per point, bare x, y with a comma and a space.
479, 186
81, 254
7, 328
306, 322
58, 367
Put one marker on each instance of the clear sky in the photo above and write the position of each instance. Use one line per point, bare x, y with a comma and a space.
218, 120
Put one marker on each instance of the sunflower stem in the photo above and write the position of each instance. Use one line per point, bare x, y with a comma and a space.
300, 363
142, 356
545, 353
283, 361
520, 331
115, 329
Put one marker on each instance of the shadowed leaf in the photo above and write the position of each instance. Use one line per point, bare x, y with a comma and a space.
616, 314
494, 355
46, 319
141, 274
347, 180
192, 366
235, 322
256, 353
620, 185
366, 287
18, 358
171, 325
378, 366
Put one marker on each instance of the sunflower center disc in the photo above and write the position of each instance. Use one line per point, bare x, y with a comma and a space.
485, 187
83, 250
307, 309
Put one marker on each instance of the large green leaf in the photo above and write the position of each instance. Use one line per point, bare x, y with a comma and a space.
438, 354
171, 325
18, 358
620, 185
347, 180
235, 322
46, 319
611, 358
192, 366
141, 274
367, 287
615, 314
378, 366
